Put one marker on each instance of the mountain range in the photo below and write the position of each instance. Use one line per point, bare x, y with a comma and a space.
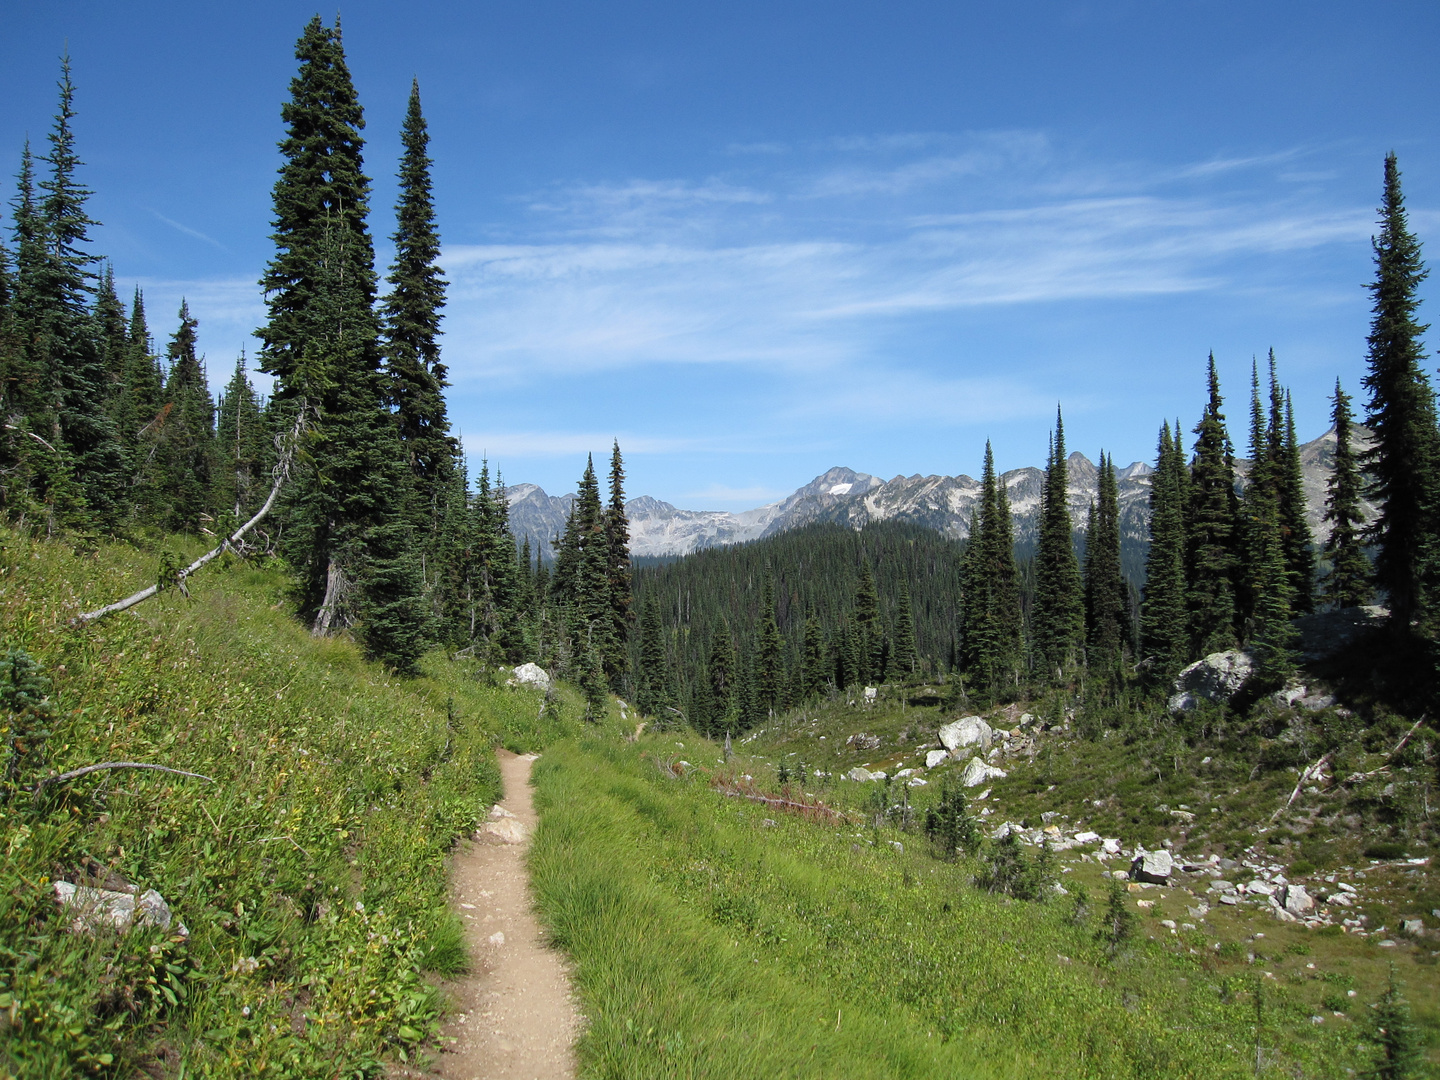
944, 503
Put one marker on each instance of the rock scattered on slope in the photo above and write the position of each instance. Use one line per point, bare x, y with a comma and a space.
967, 731
977, 772
530, 675
94, 908
1153, 866
1216, 678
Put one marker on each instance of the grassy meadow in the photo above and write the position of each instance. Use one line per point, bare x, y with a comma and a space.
717, 936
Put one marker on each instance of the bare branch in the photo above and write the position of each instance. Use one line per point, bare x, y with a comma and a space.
74, 774
1311, 772
37, 438
282, 472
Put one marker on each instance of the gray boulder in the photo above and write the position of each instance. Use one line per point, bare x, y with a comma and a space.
935, 757
967, 731
1295, 900
977, 772
1153, 866
1216, 678
530, 675
91, 908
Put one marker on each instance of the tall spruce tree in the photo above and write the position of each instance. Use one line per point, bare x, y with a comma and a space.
617, 569
186, 447
869, 635
112, 338
721, 684
1296, 541
1404, 461
410, 317
770, 655
71, 360
1348, 584
904, 660
993, 622
1107, 614
1058, 622
814, 673
1163, 638
321, 200
242, 443
653, 693
1210, 553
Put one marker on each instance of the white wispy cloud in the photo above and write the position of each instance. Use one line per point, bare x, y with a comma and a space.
726, 291
188, 231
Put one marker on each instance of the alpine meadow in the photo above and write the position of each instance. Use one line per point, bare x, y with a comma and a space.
1082, 769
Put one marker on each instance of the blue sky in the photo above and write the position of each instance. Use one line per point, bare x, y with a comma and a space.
754, 240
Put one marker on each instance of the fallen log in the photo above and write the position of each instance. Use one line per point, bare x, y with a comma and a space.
281, 474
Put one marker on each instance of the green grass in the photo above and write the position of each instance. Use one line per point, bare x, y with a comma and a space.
311, 875
709, 943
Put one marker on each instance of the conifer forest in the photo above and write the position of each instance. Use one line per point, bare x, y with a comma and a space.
290, 730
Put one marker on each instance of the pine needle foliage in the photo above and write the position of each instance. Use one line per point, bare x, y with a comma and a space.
410, 319
1107, 614
1348, 584
1164, 644
1404, 462
1210, 555
1058, 618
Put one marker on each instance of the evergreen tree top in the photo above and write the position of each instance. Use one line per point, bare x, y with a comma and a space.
66, 223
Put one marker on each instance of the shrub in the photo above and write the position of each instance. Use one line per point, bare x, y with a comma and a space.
1118, 924
949, 825
1385, 849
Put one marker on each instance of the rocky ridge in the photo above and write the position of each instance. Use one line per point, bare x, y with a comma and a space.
855, 499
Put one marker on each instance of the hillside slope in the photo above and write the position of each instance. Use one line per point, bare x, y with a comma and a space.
310, 875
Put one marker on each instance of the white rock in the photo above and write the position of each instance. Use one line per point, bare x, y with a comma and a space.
103, 907
1296, 900
507, 830
936, 757
1153, 866
1229, 898
862, 774
1341, 899
977, 772
1086, 837
1412, 926
1215, 678
530, 675
1110, 845
497, 938
497, 812
967, 731
1260, 888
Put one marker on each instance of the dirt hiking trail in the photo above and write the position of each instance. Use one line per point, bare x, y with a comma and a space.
515, 1017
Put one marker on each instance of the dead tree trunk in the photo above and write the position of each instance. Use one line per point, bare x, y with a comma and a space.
286, 446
